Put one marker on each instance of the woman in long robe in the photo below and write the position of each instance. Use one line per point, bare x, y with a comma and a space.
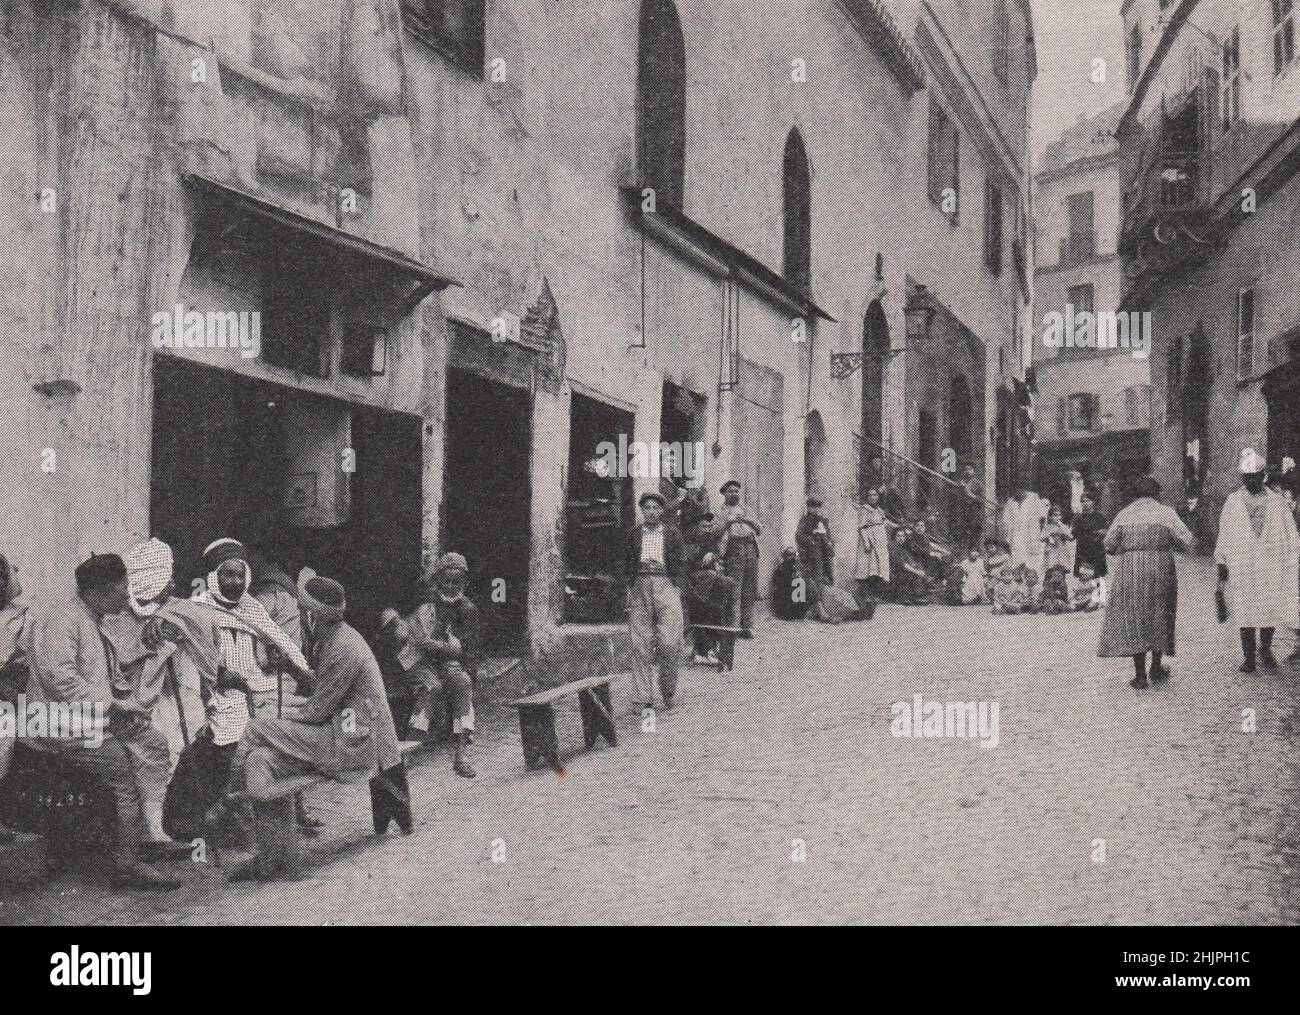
871, 567
1142, 605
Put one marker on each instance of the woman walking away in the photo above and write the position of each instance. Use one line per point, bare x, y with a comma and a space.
1143, 601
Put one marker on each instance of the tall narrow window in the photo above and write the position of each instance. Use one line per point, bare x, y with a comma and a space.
993, 227
1000, 47
1081, 241
797, 206
1246, 334
959, 416
1134, 55
1230, 79
1283, 35
942, 154
661, 94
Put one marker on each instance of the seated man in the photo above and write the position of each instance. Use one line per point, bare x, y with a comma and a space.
789, 587
708, 593
169, 646
911, 582
344, 727
441, 652
926, 552
253, 652
72, 662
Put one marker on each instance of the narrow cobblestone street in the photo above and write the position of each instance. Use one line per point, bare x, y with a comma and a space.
697, 821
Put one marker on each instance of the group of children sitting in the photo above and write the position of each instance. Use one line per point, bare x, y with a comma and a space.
991, 578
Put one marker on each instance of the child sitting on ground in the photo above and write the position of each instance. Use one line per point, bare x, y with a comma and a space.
1014, 592
997, 570
1089, 591
1055, 597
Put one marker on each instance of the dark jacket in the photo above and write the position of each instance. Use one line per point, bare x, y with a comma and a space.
674, 553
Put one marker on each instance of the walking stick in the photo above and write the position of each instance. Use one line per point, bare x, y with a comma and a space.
174, 685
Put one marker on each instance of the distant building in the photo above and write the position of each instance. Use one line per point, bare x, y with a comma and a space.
1210, 148
1094, 395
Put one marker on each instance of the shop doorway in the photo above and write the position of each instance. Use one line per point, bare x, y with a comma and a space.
269, 465
487, 498
598, 511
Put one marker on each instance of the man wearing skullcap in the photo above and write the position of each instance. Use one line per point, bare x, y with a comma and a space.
254, 649
72, 663
654, 565
343, 728
1258, 551
442, 651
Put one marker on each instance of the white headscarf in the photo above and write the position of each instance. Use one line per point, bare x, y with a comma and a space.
148, 572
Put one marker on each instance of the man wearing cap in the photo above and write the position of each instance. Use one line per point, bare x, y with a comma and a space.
72, 662
441, 652
654, 560
344, 727
740, 555
1258, 554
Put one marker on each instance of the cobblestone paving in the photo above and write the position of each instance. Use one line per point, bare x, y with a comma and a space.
697, 821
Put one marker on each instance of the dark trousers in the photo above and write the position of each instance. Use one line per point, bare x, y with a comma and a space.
390, 800
198, 782
741, 565
1248, 641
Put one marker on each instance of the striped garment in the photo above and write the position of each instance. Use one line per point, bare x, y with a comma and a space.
243, 630
1143, 597
652, 550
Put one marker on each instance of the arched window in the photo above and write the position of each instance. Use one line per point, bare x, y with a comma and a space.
875, 351
814, 454
661, 102
959, 416
797, 209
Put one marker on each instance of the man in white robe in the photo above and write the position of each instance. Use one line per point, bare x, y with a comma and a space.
1258, 551
1022, 528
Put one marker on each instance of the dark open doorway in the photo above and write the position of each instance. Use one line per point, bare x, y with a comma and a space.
598, 510
487, 496
234, 456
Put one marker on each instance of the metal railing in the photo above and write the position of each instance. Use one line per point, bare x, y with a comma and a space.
915, 490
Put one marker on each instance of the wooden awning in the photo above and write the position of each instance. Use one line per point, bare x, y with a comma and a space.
292, 227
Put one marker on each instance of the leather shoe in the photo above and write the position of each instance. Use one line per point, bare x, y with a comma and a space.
143, 875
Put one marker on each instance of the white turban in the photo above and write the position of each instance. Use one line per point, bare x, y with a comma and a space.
148, 570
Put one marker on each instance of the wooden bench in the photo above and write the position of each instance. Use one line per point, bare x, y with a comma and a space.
275, 820
726, 642
537, 719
